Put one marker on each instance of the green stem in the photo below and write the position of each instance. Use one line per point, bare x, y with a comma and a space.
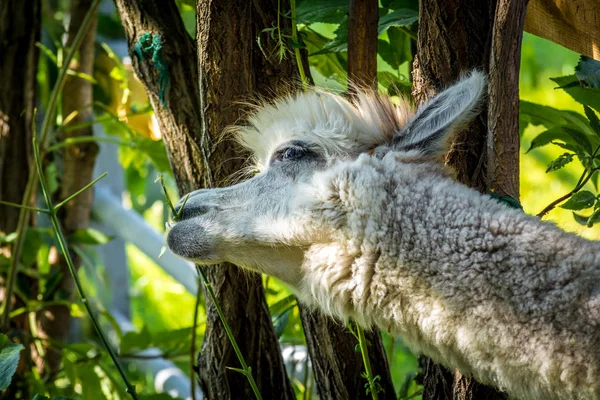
86, 139
362, 342
77, 193
22, 222
62, 241
193, 344
21, 206
297, 50
247, 371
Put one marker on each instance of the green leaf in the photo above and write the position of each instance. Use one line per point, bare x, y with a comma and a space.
593, 118
9, 359
51, 175
339, 43
89, 236
42, 397
136, 340
549, 136
397, 51
588, 72
282, 305
31, 245
400, 17
90, 381
581, 94
580, 200
580, 219
560, 162
550, 117
328, 11
156, 396
410, 4
568, 146
281, 322
580, 138
593, 218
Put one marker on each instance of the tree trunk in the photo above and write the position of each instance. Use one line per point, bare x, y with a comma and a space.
190, 119
78, 166
363, 17
19, 31
456, 36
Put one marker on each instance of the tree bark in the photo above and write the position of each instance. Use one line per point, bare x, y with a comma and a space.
78, 166
19, 31
191, 119
456, 36
363, 16
337, 365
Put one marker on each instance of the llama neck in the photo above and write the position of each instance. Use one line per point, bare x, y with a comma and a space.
461, 276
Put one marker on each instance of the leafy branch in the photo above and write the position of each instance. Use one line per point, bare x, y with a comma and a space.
578, 199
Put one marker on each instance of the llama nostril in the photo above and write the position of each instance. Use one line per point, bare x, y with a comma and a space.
193, 210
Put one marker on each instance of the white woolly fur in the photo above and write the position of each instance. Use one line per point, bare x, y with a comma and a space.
365, 222
462, 278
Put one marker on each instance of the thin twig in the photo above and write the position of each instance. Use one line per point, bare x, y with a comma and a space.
62, 241
86, 139
8, 203
166, 356
77, 193
193, 344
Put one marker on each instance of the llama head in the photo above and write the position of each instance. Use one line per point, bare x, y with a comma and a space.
267, 222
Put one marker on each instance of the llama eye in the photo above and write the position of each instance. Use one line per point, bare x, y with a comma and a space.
293, 153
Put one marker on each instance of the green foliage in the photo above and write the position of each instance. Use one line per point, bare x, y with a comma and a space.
580, 200
9, 359
588, 72
577, 134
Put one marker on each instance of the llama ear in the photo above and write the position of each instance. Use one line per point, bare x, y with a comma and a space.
437, 119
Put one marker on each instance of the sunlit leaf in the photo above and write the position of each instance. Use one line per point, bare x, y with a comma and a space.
136, 340
560, 162
329, 11
9, 359
580, 200
593, 118
89, 236
584, 95
550, 117
400, 17
593, 218
580, 219
339, 43
549, 136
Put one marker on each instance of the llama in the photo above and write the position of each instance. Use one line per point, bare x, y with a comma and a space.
354, 209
